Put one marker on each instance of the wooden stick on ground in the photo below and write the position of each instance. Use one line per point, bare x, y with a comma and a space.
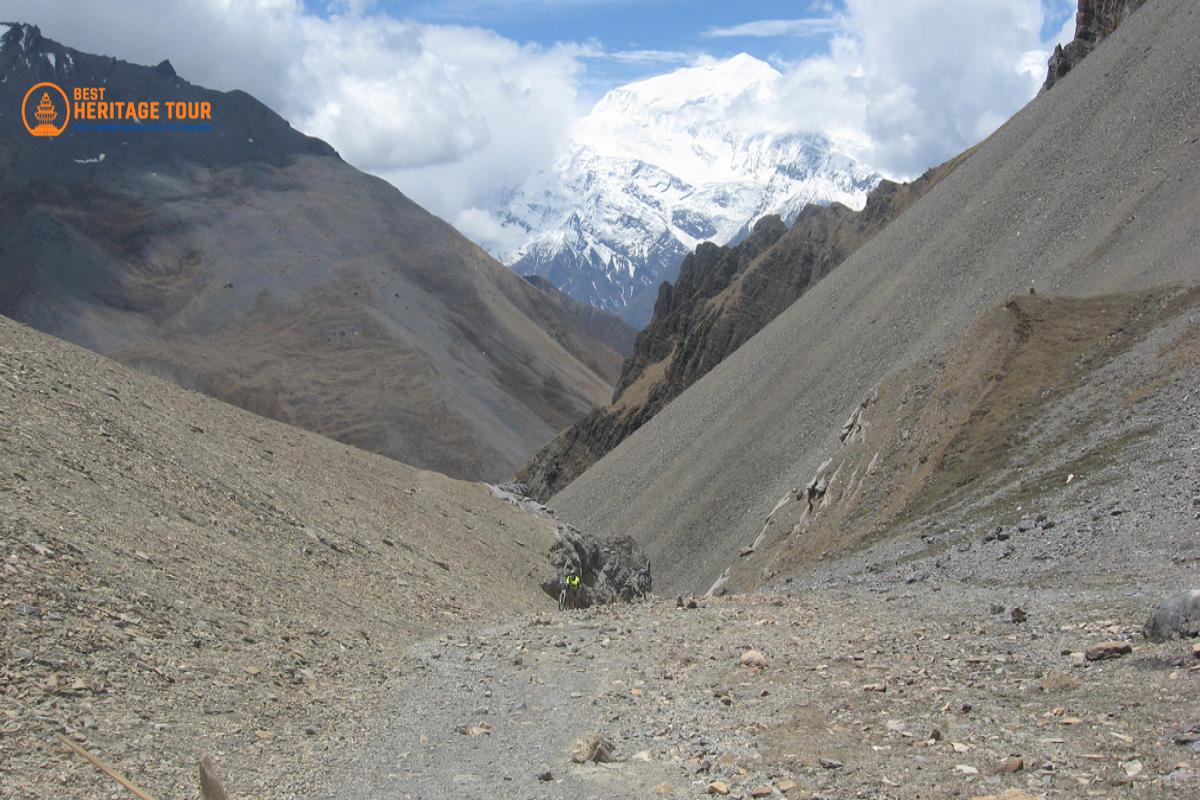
105, 768
210, 784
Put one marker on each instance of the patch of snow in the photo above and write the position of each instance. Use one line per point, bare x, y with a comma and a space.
4, 29
250, 139
52, 59
95, 160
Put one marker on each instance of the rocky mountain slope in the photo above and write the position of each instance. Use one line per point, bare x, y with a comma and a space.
181, 576
249, 262
724, 295
1046, 203
613, 336
659, 166
1094, 21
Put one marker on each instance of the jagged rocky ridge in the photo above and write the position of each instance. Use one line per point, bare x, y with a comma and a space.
1094, 21
724, 295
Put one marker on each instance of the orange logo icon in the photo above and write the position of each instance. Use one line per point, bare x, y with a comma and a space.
46, 111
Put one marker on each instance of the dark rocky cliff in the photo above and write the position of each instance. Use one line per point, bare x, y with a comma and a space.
1094, 21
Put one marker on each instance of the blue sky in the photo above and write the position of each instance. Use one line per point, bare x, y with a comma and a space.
647, 37
455, 102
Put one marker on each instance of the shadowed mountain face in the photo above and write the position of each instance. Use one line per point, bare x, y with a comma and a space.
614, 337
249, 262
723, 297
1057, 200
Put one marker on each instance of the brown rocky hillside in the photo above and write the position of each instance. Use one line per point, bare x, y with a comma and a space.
182, 576
251, 263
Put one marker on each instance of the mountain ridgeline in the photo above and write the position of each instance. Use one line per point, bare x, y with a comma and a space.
251, 263
723, 297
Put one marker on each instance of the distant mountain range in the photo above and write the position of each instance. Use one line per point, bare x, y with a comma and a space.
660, 166
251, 263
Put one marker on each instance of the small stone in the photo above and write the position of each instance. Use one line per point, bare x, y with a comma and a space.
1009, 766
664, 789
592, 747
829, 763
1103, 650
753, 659
786, 786
761, 791
1132, 768
965, 769
875, 687
1058, 682
1018, 616
545, 775
1196, 650
718, 787
264, 736
253, 671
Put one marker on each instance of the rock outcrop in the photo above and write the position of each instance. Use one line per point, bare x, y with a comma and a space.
612, 571
1094, 21
1177, 616
724, 295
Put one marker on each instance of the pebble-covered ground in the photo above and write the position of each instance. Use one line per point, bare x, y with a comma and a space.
901, 693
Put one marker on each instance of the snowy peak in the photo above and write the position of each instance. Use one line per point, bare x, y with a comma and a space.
19, 35
718, 84
661, 165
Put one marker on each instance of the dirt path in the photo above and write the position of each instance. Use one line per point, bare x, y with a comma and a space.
905, 693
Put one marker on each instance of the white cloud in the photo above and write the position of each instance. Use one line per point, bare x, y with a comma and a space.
653, 56
912, 84
481, 226
769, 28
449, 114
455, 115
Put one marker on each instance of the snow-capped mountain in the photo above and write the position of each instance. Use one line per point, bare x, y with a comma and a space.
659, 166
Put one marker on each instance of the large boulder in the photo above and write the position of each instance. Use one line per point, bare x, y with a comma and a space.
1177, 616
617, 569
